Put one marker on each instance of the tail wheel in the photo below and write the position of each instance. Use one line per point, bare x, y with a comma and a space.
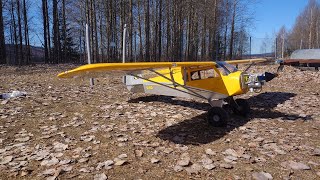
218, 117
243, 107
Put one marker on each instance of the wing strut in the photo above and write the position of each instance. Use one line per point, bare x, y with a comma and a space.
249, 67
166, 86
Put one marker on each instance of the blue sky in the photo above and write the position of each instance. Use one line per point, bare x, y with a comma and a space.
270, 15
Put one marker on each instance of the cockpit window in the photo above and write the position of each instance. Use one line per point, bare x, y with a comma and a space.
203, 74
225, 68
195, 75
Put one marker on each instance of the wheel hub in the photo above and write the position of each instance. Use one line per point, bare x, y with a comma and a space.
216, 118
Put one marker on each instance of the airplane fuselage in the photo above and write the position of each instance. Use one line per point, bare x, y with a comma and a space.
215, 82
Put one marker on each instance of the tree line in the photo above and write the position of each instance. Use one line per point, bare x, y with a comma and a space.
158, 30
305, 34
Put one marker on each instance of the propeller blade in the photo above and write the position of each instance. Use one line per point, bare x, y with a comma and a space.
269, 76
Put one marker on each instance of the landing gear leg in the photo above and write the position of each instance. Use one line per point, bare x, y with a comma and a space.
239, 106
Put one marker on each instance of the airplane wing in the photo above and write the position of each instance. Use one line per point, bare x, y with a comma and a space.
91, 70
246, 61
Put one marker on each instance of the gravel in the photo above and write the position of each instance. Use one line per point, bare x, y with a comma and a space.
64, 129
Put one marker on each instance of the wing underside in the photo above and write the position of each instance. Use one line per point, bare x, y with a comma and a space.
96, 70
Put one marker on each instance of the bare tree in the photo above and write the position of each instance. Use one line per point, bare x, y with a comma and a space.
2, 39
56, 33
305, 32
158, 30
20, 34
26, 33
147, 29
45, 29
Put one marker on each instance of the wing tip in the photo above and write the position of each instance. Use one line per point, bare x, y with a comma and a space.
62, 75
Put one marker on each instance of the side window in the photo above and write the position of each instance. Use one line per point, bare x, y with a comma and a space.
203, 74
195, 75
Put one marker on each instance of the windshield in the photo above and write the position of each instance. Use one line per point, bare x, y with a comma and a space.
225, 68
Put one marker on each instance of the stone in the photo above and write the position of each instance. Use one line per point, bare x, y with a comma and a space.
230, 159
138, 153
183, 162
52, 178
205, 160
231, 152
280, 151
6, 160
101, 176
177, 168
40, 155
295, 165
209, 166
168, 150
316, 152
50, 162
48, 172
154, 160
66, 168
226, 166
24, 173
87, 155
87, 138
59, 146
122, 139
258, 139
108, 163
253, 144
25, 139
119, 162
83, 160
260, 159
194, 169
84, 170
122, 156
210, 152
262, 176
64, 162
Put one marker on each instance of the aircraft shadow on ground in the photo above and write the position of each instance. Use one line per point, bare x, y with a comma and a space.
196, 130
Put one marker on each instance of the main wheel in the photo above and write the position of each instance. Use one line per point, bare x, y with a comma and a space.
243, 107
218, 117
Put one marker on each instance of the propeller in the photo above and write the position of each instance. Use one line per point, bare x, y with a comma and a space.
255, 81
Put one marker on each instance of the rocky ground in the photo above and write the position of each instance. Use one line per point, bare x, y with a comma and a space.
63, 129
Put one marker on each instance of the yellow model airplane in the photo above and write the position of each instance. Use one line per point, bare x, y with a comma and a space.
217, 82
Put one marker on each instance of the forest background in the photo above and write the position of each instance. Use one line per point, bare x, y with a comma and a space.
157, 30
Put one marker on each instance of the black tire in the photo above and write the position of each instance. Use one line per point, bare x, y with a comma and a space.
217, 117
243, 108
228, 108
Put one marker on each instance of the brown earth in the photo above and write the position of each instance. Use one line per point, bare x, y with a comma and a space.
64, 129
